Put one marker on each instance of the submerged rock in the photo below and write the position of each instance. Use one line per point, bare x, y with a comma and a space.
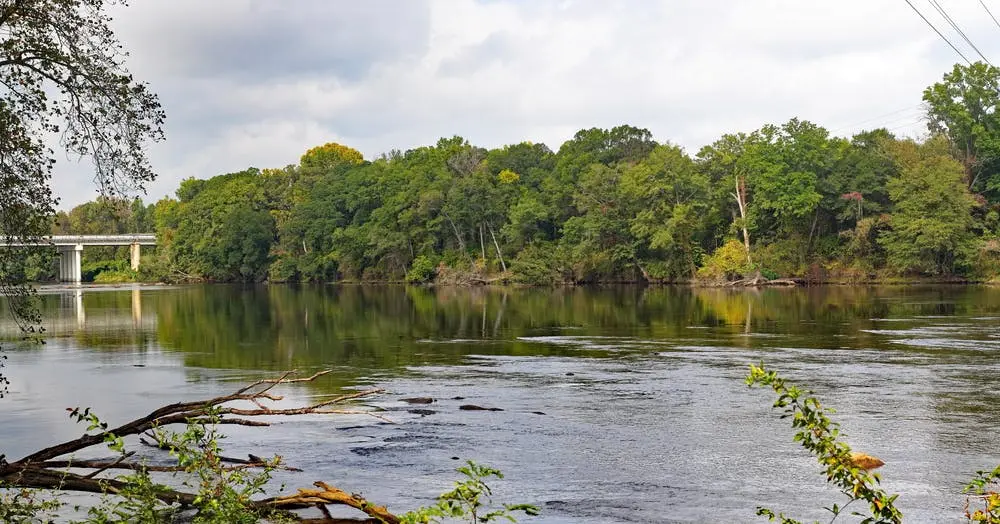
417, 400
473, 407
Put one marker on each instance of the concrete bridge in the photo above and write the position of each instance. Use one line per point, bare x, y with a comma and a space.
71, 248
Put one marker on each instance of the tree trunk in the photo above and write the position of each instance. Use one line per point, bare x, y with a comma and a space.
968, 163
642, 270
812, 232
741, 200
461, 243
496, 245
482, 246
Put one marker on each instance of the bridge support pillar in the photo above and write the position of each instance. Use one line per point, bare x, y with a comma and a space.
135, 253
69, 263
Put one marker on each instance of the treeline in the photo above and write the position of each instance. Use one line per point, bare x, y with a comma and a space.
610, 205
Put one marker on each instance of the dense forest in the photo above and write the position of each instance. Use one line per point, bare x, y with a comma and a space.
610, 205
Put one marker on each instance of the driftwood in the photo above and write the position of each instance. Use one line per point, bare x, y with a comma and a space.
759, 280
46, 469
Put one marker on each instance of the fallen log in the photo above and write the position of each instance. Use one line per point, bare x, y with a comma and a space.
45, 469
760, 281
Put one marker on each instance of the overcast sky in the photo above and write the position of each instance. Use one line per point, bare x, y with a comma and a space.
257, 82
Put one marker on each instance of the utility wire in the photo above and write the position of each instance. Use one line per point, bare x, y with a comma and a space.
944, 13
911, 124
989, 13
915, 10
895, 114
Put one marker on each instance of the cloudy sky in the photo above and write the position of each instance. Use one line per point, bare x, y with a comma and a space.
257, 82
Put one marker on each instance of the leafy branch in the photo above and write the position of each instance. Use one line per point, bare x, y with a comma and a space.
821, 437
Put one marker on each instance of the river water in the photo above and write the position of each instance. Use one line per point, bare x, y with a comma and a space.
619, 404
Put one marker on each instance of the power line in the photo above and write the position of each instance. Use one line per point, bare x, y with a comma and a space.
910, 124
893, 124
944, 13
906, 110
915, 10
989, 13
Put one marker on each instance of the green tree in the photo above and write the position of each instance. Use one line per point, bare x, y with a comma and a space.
864, 167
728, 164
220, 229
964, 107
671, 198
243, 245
931, 220
777, 177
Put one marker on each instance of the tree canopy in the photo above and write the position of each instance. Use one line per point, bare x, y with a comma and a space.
609, 205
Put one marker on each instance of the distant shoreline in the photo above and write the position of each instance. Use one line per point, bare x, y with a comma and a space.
56, 288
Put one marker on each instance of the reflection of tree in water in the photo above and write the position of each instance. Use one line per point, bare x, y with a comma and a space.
365, 329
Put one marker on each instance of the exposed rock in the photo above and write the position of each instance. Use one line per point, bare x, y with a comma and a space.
417, 400
473, 407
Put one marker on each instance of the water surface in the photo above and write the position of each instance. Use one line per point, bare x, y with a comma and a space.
619, 404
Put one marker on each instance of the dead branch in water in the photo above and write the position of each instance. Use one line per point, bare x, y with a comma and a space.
760, 281
45, 470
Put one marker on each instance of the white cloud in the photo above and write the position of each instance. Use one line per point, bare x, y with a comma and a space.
248, 85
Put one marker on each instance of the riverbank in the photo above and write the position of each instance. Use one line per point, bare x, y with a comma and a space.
508, 281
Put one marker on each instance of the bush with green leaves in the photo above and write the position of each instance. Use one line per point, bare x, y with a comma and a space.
421, 270
540, 264
223, 492
469, 501
984, 488
727, 262
26, 506
108, 271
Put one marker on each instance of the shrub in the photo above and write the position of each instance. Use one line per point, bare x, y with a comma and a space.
729, 261
781, 257
421, 270
108, 271
538, 265
470, 500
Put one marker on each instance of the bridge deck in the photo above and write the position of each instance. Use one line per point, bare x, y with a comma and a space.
143, 239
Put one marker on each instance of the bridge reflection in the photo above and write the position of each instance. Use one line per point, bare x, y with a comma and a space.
73, 314
109, 314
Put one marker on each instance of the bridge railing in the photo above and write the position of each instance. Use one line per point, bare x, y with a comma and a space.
143, 239
124, 240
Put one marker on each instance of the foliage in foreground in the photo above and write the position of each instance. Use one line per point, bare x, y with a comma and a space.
821, 437
470, 500
198, 483
223, 491
984, 489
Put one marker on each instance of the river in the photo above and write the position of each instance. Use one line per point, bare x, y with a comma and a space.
619, 404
